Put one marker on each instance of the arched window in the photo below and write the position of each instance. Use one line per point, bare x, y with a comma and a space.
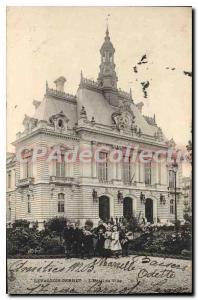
60, 123
172, 210
61, 203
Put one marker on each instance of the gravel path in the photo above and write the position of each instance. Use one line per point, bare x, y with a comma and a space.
129, 275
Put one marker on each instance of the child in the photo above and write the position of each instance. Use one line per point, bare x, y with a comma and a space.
124, 240
107, 243
77, 241
100, 243
68, 236
115, 243
87, 243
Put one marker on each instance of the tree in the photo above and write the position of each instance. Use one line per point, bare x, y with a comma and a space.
133, 224
57, 224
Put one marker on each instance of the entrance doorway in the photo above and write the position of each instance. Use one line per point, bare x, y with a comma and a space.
149, 210
104, 208
127, 208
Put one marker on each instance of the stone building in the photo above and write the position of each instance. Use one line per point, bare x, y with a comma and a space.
187, 194
100, 116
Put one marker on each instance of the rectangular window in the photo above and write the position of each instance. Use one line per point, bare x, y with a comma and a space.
28, 204
159, 172
15, 177
9, 178
148, 173
28, 168
171, 179
60, 167
61, 203
27, 163
9, 208
102, 166
126, 169
172, 209
61, 206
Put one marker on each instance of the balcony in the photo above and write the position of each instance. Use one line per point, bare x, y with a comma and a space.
25, 181
105, 181
62, 180
172, 189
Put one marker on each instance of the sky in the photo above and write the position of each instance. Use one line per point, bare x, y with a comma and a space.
44, 43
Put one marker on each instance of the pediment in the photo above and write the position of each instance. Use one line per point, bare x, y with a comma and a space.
60, 115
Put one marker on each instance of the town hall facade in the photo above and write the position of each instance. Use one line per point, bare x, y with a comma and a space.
100, 116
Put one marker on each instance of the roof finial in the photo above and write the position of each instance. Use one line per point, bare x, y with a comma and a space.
81, 75
130, 92
46, 85
107, 25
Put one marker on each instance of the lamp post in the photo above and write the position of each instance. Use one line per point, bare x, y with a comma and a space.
174, 169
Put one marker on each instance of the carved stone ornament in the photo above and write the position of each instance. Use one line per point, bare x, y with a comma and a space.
171, 143
124, 117
29, 123
95, 195
159, 134
83, 113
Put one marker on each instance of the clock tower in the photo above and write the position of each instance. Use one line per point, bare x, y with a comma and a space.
107, 78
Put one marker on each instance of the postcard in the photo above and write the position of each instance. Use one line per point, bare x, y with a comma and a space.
99, 150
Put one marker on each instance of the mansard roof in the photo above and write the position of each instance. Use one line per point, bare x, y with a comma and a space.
51, 106
98, 107
104, 105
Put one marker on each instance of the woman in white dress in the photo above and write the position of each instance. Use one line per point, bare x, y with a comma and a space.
107, 243
115, 243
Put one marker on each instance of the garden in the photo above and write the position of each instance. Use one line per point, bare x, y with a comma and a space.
149, 239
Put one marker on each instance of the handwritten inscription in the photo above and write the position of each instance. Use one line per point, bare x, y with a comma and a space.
137, 274
50, 267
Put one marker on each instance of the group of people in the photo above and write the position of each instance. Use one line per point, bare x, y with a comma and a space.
103, 241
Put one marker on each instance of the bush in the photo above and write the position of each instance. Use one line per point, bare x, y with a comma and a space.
163, 242
133, 225
188, 218
21, 223
20, 240
51, 246
57, 225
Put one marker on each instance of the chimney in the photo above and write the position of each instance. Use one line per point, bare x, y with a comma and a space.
36, 103
60, 83
139, 106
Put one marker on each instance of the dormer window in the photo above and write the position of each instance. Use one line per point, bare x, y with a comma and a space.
59, 121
